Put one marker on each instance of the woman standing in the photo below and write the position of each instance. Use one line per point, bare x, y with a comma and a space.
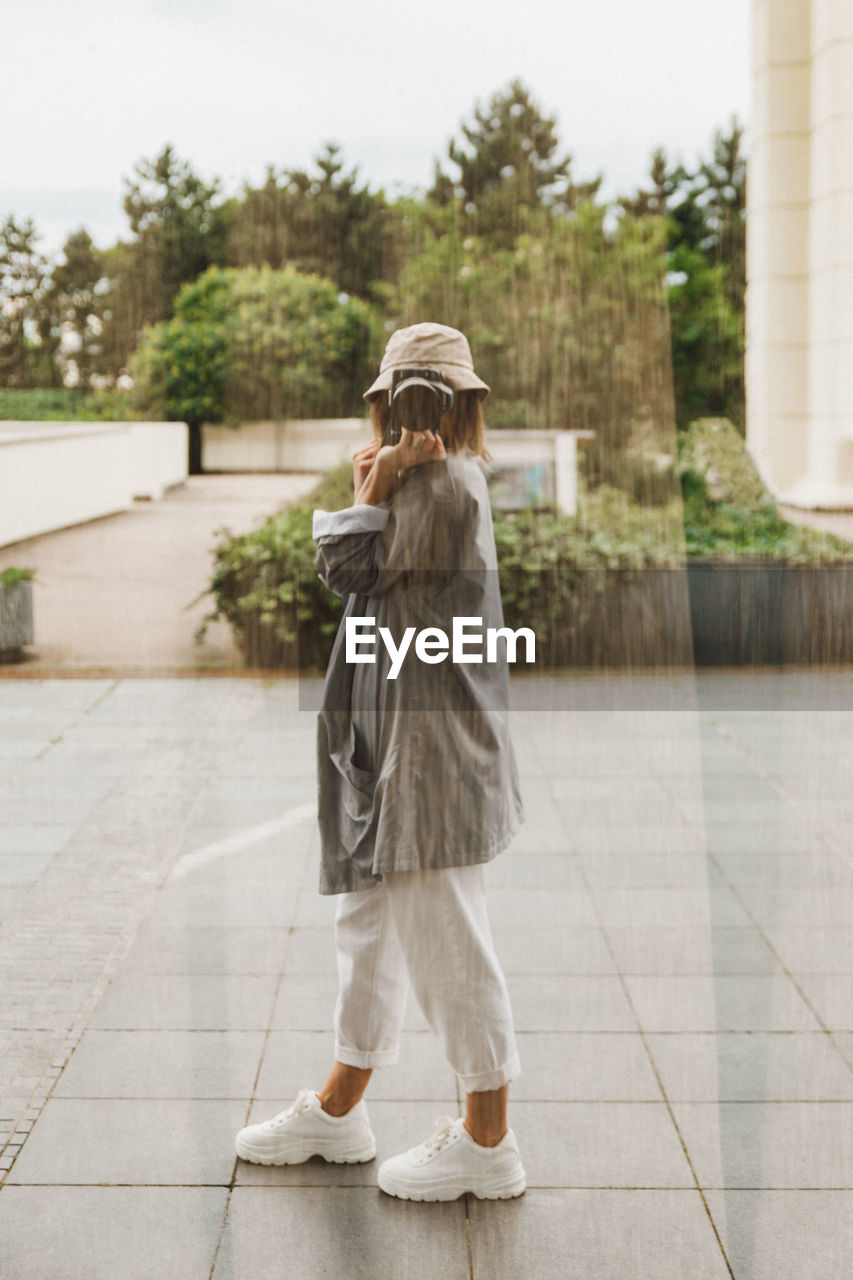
418, 789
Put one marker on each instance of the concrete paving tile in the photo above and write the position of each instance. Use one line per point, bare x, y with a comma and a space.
831, 995
691, 950
608, 790
162, 1064
669, 868
541, 908
182, 1002
515, 870
102, 1233
769, 1144
11, 896
578, 949
792, 870
397, 1126
785, 1235
599, 1144
141, 1141
751, 1066
826, 907
223, 870
199, 949
248, 904
306, 1002
813, 950
719, 1002
740, 784
314, 909
34, 837
260, 806
62, 808
592, 838
357, 1233
22, 868
761, 837
311, 950
844, 1041
664, 906
586, 1002
537, 836
572, 1067
583, 1233
295, 1060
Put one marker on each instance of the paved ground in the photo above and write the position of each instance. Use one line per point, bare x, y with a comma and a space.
121, 592
674, 920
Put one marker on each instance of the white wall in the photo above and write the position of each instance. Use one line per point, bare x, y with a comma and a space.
318, 445
57, 474
309, 445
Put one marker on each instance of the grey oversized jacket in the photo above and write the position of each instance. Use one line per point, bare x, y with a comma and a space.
417, 771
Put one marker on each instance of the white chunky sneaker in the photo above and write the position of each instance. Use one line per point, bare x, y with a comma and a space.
450, 1163
305, 1130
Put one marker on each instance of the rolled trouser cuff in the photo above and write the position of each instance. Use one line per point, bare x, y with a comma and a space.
483, 1081
366, 1058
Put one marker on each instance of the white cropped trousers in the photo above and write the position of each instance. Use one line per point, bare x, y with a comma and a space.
430, 929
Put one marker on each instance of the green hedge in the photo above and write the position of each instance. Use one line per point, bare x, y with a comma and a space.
65, 404
551, 566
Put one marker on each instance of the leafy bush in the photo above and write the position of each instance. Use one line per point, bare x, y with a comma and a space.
65, 404
552, 567
10, 576
257, 344
729, 512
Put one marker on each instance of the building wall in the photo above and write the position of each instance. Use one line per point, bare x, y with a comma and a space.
799, 304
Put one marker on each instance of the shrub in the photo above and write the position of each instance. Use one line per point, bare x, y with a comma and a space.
554, 569
252, 343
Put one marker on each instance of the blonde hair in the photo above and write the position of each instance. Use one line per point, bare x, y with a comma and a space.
462, 428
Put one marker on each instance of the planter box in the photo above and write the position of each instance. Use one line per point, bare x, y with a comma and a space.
16, 618
714, 612
754, 612
727, 613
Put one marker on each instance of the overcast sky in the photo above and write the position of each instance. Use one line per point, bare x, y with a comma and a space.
89, 87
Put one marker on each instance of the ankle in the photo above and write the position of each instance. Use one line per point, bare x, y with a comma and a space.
337, 1105
483, 1137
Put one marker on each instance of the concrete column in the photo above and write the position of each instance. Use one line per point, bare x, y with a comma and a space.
777, 297
799, 365
829, 480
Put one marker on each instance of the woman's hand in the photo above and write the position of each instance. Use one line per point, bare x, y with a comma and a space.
415, 447
362, 461
412, 449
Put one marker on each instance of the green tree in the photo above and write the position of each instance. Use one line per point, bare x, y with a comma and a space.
27, 341
179, 227
568, 325
256, 344
76, 304
178, 230
704, 211
324, 223
508, 160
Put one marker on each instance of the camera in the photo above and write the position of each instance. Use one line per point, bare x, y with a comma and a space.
417, 397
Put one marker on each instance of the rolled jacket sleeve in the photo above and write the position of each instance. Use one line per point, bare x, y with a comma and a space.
360, 519
346, 546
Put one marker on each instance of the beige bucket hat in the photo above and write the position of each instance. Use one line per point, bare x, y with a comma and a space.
435, 345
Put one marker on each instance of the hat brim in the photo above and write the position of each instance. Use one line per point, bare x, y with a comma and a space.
458, 376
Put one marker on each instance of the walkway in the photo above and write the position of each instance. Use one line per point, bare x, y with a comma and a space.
117, 593
674, 919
